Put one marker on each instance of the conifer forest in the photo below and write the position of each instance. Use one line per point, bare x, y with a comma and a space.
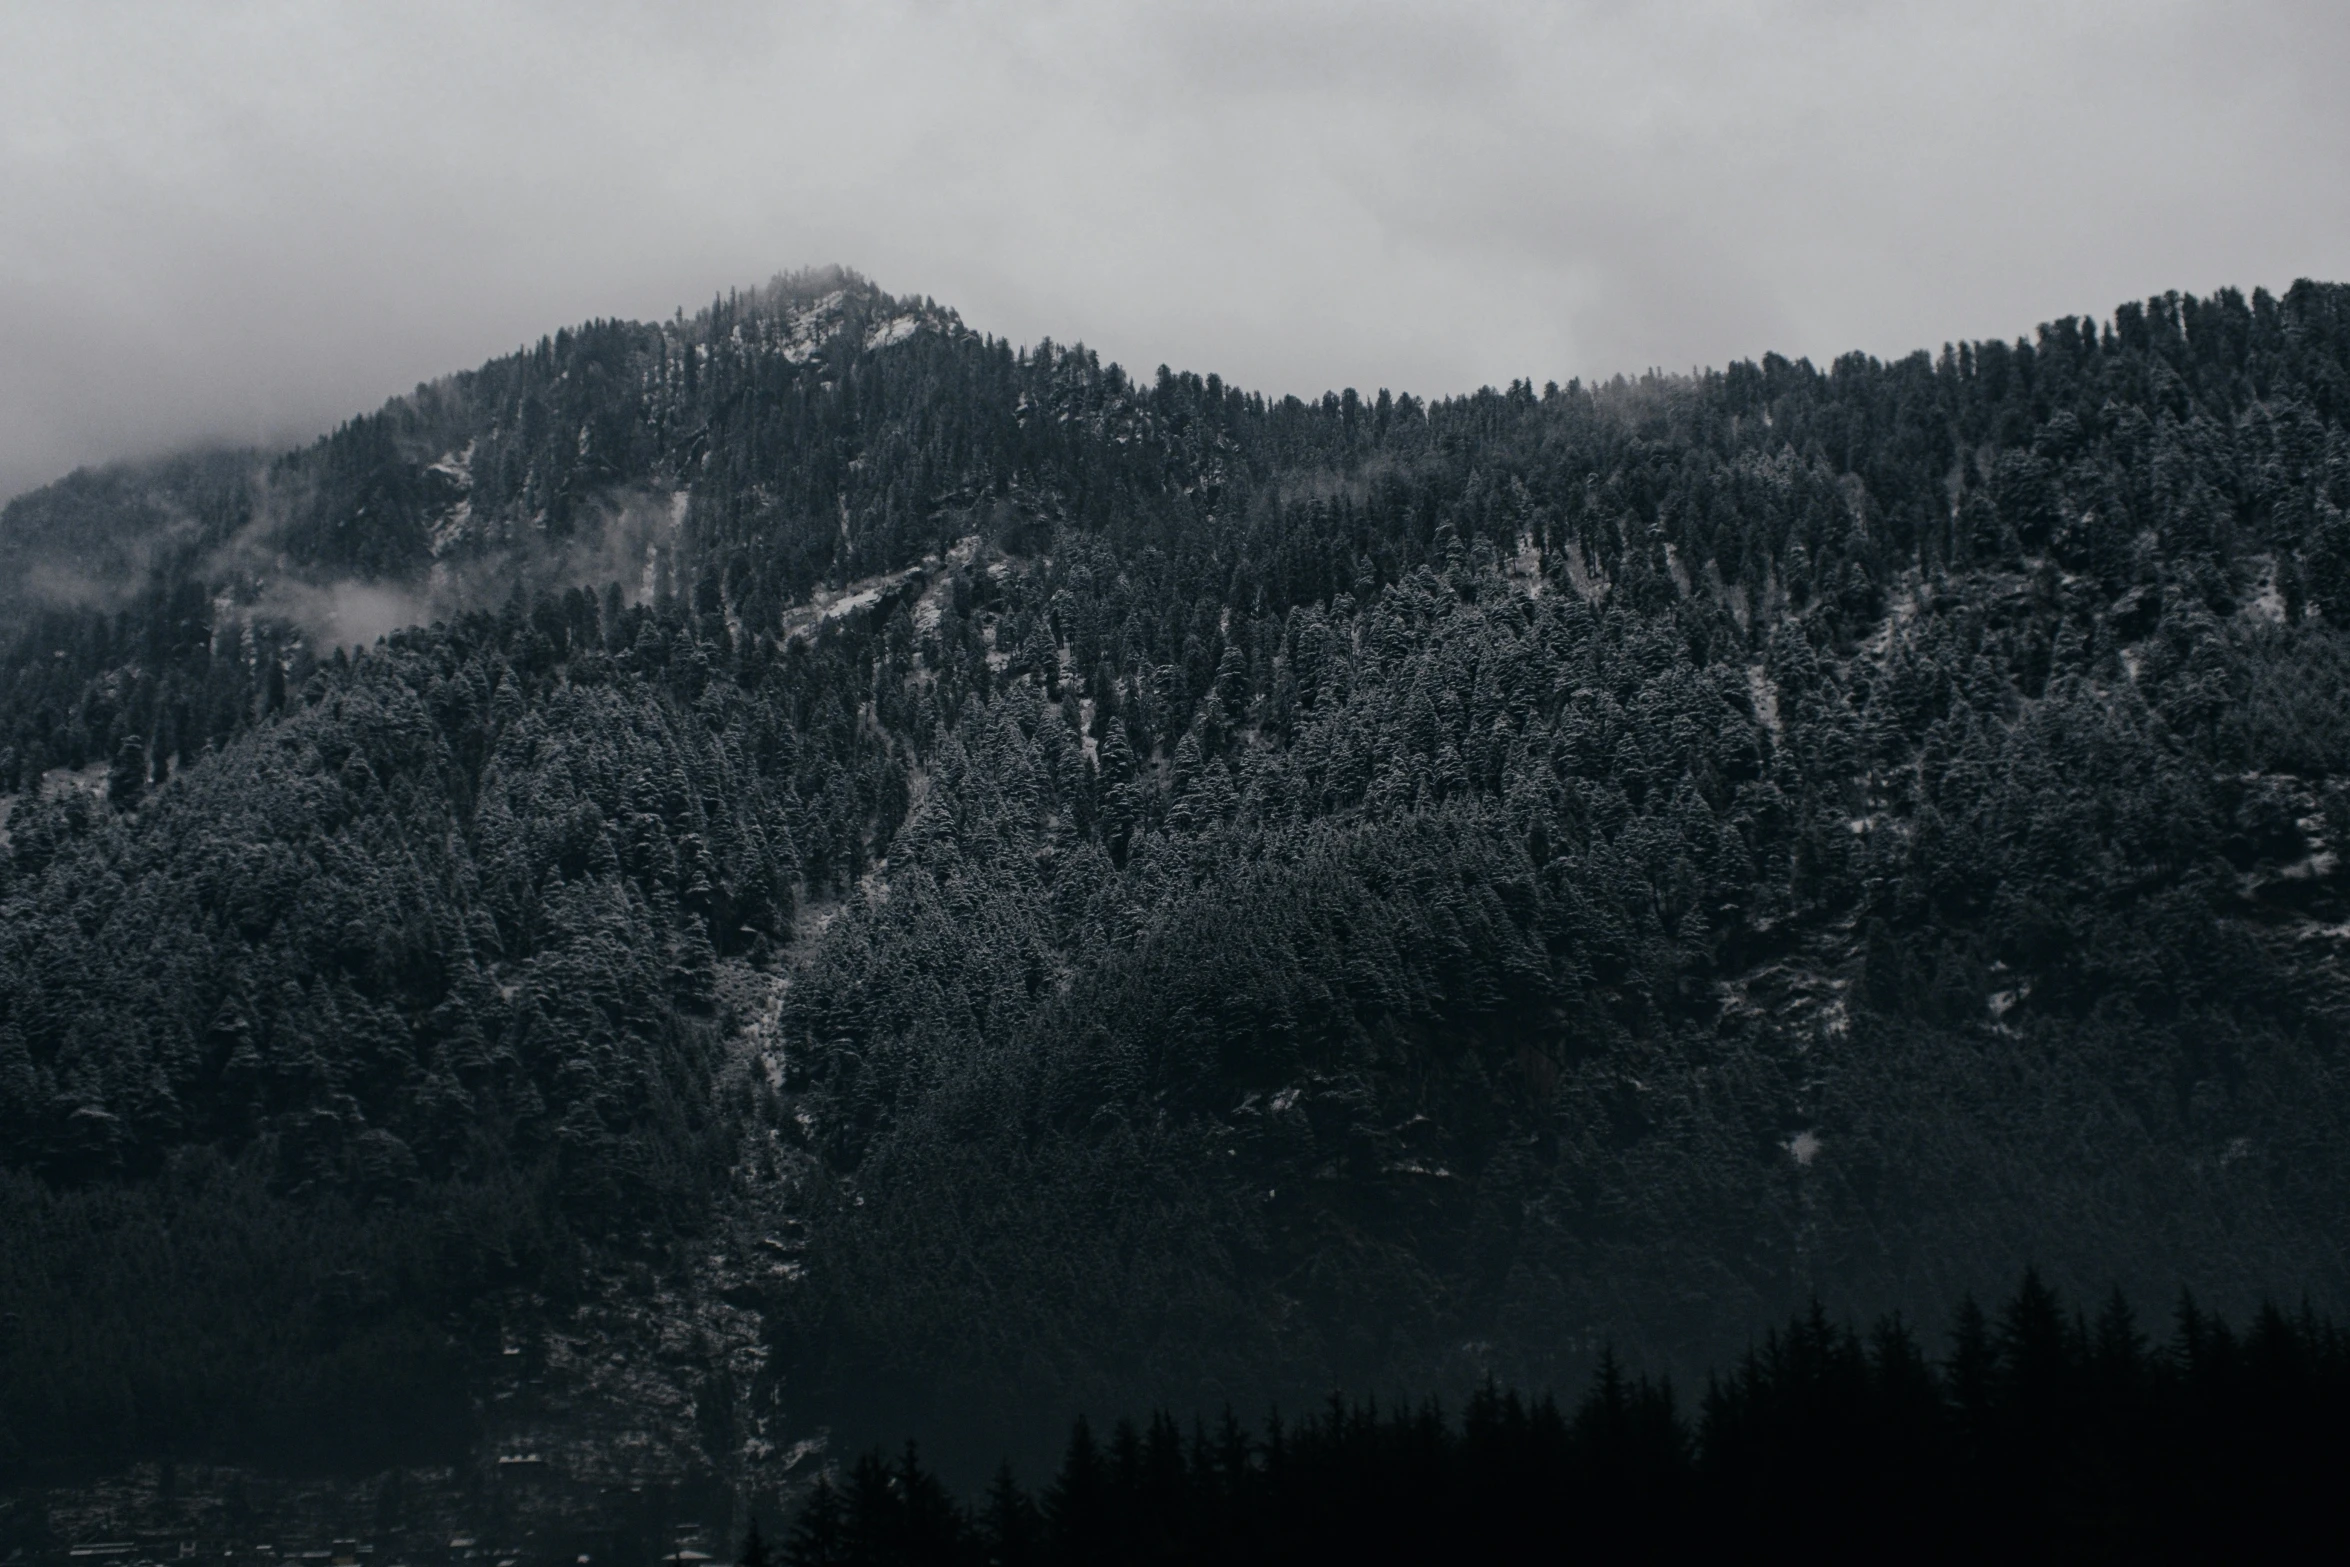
670, 911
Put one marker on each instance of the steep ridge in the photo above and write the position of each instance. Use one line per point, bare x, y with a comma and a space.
886, 881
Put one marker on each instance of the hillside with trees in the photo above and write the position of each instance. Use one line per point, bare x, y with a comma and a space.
986, 886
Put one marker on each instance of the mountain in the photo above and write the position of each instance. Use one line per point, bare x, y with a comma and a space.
803, 870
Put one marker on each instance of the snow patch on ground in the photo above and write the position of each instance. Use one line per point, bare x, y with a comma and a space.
1526, 566
2268, 601
918, 583
1590, 579
444, 531
89, 780
849, 603
456, 465
2315, 867
1678, 568
1899, 614
1836, 1014
1765, 697
927, 611
810, 327
929, 608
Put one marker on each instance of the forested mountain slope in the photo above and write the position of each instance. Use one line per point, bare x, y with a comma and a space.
980, 885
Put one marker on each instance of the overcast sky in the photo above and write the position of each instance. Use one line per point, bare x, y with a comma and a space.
247, 221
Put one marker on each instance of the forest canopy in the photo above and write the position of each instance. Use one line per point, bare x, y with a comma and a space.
1088, 889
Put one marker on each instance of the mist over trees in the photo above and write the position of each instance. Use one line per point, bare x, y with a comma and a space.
1115, 892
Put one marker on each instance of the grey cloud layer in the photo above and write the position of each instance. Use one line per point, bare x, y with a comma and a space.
247, 221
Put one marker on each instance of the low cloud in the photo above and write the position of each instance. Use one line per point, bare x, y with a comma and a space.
341, 614
616, 539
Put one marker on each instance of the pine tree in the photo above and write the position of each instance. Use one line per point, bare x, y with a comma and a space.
126, 781
1011, 1527
1077, 1505
820, 1534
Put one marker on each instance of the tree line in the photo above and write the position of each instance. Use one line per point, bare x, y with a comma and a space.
2042, 1433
